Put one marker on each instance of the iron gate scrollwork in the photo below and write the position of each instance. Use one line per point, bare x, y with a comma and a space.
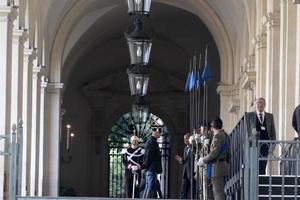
119, 136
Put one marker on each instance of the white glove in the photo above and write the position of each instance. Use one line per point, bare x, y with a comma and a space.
200, 162
206, 142
134, 168
191, 139
202, 139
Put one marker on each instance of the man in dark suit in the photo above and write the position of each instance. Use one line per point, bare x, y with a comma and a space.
188, 172
296, 120
152, 165
264, 123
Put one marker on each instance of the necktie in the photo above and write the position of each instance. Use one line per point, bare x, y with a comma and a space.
260, 118
186, 151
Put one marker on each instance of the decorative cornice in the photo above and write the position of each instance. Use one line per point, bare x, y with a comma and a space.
24, 37
12, 16
54, 87
4, 12
44, 82
33, 55
17, 34
260, 41
228, 90
271, 19
234, 106
249, 64
248, 80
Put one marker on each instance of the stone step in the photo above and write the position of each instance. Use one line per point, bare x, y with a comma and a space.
278, 180
277, 190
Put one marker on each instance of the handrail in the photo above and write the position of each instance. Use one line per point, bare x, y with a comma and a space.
238, 181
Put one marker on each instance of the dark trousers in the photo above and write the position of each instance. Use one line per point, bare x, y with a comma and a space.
185, 188
129, 185
264, 151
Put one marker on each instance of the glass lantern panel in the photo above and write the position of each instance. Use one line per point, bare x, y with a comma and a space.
147, 5
138, 85
139, 6
139, 51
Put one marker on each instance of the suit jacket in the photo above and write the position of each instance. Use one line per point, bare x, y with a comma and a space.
296, 119
220, 167
187, 163
152, 158
269, 118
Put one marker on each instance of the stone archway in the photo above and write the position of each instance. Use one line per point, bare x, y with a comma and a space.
61, 44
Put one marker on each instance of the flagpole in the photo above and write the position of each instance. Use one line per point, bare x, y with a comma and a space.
193, 122
206, 76
197, 126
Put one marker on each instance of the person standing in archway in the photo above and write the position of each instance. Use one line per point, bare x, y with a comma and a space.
188, 172
133, 159
265, 128
217, 159
152, 165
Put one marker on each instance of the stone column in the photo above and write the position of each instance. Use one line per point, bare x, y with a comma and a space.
272, 23
29, 57
260, 63
17, 76
288, 23
34, 128
230, 106
41, 138
51, 148
6, 24
4, 12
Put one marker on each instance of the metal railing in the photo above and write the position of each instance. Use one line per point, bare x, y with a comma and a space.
238, 185
14, 153
283, 164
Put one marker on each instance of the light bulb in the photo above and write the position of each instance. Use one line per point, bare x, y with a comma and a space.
139, 51
138, 85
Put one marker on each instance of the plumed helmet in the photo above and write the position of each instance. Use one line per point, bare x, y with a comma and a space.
134, 138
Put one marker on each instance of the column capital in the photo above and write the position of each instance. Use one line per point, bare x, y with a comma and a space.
4, 10
234, 106
17, 34
36, 71
24, 37
12, 16
260, 41
271, 19
44, 82
249, 64
228, 90
33, 55
54, 87
248, 81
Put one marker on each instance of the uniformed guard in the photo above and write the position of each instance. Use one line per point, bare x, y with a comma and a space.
133, 159
217, 159
202, 142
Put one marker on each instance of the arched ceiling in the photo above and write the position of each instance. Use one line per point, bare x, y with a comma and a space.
232, 15
102, 49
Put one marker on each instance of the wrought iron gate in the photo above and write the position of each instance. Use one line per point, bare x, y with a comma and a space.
119, 139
